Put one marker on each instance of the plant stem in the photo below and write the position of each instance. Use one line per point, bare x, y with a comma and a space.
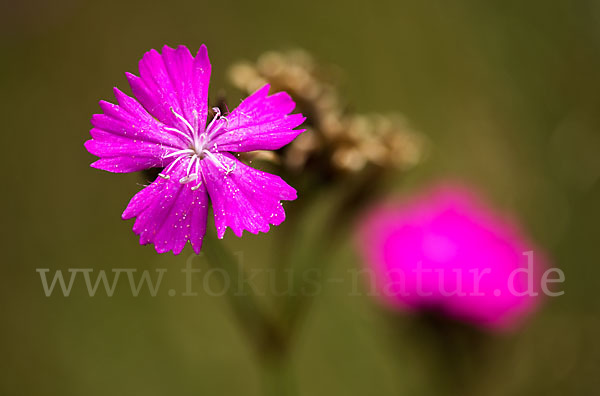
266, 336
246, 308
277, 378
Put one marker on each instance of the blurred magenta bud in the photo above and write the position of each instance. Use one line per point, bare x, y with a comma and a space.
446, 251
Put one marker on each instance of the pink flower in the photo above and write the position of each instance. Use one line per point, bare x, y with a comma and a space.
165, 126
446, 251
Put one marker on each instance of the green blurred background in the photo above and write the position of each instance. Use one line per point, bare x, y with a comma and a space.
508, 93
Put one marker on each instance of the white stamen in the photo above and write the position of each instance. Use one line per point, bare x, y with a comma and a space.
177, 131
229, 170
182, 119
197, 186
168, 168
192, 162
195, 120
215, 160
179, 152
187, 179
214, 127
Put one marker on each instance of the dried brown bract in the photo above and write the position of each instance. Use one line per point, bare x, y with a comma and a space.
337, 141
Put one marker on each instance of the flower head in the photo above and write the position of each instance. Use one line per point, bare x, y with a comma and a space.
165, 126
341, 142
446, 251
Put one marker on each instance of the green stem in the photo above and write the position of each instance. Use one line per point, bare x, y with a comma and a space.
265, 335
250, 315
277, 377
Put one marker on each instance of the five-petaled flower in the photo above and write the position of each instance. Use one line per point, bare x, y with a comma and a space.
166, 128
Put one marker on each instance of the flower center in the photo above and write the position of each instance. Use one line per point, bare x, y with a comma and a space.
198, 149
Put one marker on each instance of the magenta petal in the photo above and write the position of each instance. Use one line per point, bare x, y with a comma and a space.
124, 164
127, 138
260, 122
190, 77
170, 213
174, 81
244, 198
107, 145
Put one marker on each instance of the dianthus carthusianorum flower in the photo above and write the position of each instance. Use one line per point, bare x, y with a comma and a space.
165, 126
445, 250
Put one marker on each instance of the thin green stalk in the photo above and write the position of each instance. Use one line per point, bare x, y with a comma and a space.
266, 336
277, 377
250, 315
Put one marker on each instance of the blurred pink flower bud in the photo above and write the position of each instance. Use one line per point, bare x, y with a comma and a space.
445, 251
